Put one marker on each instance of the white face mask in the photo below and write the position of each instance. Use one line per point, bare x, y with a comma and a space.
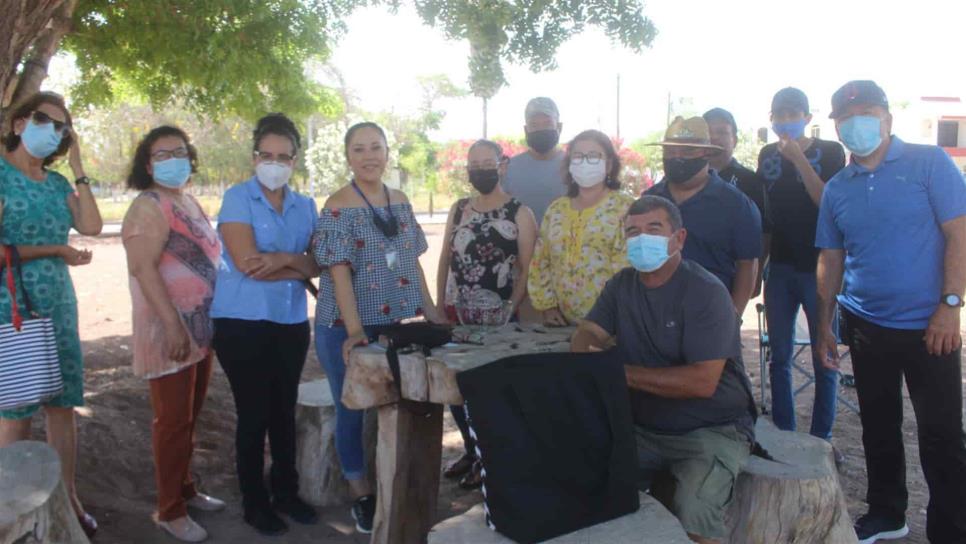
588, 175
273, 175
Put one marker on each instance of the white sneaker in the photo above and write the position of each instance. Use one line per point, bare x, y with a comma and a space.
184, 529
206, 503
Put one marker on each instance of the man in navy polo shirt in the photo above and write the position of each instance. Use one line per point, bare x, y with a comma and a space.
724, 226
893, 222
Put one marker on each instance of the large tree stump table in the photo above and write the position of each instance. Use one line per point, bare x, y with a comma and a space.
652, 524
795, 499
321, 481
34, 506
409, 450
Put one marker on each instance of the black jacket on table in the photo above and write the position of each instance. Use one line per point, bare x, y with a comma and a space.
555, 434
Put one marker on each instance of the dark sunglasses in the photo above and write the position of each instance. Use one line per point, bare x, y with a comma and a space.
42, 118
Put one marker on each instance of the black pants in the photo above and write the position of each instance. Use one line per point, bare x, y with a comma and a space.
263, 361
880, 359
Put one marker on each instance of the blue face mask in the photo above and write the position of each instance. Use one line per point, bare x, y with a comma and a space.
41, 141
793, 129
861, 134
647, 252
173, 172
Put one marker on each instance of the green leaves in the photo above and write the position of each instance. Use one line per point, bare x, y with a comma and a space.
530, 32
218, 56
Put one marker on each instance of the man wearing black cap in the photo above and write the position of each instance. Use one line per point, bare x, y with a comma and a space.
795, 170
724, 133
893, 223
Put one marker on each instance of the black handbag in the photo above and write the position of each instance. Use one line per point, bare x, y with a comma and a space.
405, 338
555, 436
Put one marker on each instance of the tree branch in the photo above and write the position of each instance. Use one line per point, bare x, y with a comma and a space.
35, 66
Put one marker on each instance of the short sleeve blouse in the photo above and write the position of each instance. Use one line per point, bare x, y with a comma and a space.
385, 271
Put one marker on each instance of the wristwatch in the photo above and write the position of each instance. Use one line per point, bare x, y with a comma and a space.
954, 300
83, 180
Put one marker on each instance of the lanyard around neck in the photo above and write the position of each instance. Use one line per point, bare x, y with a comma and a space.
389, 228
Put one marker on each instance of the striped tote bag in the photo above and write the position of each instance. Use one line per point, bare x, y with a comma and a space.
29, 367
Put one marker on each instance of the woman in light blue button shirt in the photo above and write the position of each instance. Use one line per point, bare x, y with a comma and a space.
261, 320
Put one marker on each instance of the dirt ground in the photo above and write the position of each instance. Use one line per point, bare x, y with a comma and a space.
116, 476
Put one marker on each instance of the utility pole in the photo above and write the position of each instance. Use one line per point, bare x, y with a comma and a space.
668, 123
618, 105
484, 116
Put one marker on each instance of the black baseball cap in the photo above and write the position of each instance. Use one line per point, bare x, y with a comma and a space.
790, 98
863, 92
721, 114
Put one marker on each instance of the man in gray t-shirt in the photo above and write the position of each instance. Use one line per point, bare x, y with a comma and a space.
535, 177
677, 331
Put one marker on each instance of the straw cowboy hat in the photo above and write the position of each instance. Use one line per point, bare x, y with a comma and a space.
691, 132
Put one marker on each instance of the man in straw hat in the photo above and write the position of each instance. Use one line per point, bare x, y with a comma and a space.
724, 226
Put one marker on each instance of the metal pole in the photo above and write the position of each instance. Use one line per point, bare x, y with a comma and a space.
618, 105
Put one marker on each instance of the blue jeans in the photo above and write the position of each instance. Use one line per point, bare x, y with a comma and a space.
786, 290
348, 423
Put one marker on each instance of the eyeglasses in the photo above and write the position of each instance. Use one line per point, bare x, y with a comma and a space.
272, 157
589, 158
42, 118
165, 154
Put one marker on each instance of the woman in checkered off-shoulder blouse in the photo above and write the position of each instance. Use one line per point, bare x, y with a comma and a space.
368, 246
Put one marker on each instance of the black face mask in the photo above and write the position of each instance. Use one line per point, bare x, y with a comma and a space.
542, 141
484, 180
681, 170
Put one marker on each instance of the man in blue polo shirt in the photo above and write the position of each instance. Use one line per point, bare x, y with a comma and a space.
893, 222
724, 226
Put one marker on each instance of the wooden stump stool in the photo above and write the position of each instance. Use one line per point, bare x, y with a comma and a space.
320, 476
34, 506
652, 524
795, 499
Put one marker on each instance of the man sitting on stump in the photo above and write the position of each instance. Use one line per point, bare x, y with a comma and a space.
678, 332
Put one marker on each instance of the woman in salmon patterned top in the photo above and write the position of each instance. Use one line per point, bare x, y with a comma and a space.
172, 258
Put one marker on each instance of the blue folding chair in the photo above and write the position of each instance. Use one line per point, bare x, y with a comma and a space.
799, 344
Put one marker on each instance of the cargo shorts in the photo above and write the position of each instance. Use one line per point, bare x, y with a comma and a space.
701, 468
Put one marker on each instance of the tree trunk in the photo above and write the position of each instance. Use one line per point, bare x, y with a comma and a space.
33, 500
795, 499
35, 65
22, 21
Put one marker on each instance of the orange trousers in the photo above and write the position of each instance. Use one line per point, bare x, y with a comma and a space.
176, 400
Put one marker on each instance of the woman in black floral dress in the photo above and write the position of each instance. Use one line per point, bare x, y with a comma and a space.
486, 255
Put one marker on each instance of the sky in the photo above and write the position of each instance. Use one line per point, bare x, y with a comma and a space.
709, 53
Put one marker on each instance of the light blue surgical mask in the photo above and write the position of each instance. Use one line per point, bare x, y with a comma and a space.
172, 173
793, 129
41, 141
647, 252
861, 134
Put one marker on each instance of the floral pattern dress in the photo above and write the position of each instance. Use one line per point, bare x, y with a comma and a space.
483, 254
578, 251
35, 213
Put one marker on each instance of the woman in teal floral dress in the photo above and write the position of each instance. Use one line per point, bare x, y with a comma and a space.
37, 209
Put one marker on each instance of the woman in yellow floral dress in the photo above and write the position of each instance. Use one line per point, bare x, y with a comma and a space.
581, 241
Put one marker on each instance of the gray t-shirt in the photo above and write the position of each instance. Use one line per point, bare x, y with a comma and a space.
535, 183
689, 319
